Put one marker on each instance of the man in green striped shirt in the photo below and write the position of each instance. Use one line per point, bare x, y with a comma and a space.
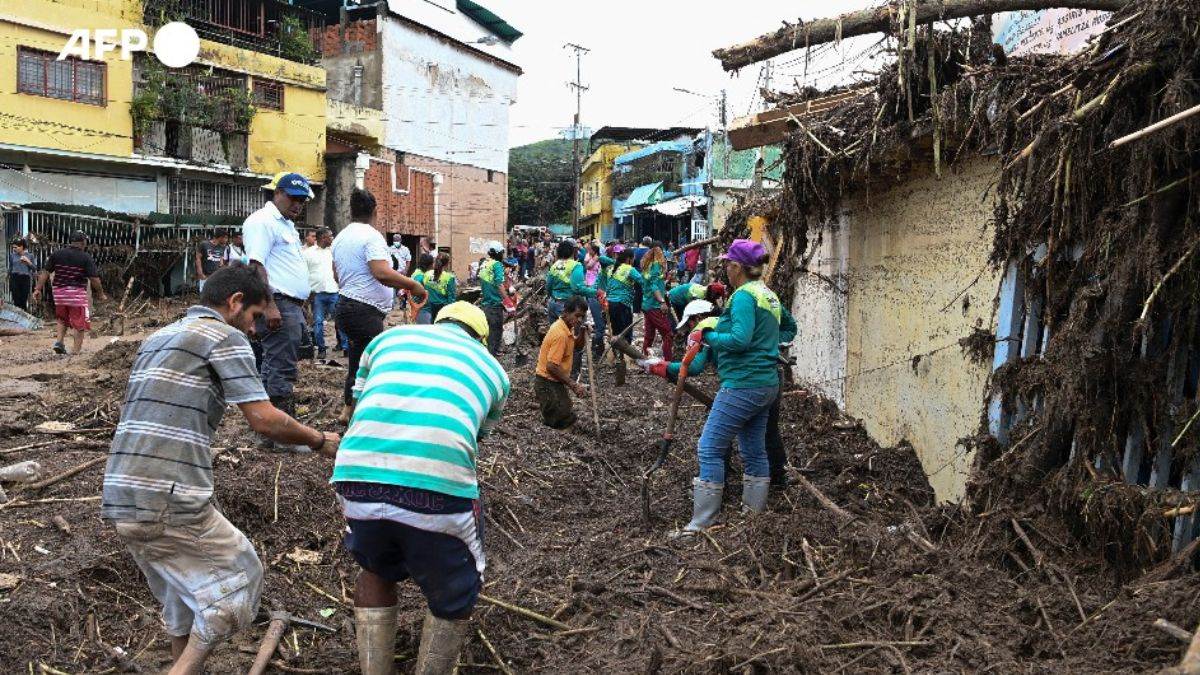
405, 475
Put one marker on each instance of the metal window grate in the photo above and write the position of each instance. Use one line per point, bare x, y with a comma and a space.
268, 94
191, 196
42, 74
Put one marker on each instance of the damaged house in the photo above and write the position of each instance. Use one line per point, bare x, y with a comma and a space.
990, 254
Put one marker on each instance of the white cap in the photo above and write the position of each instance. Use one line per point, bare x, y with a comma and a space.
694, 308
495, 246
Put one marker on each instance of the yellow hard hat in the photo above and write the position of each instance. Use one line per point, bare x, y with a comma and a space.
468, 315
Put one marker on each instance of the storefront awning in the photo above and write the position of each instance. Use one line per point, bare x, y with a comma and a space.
680, 205
642, 195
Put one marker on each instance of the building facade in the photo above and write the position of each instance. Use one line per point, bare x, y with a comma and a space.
595, 190
446, 77
135, 137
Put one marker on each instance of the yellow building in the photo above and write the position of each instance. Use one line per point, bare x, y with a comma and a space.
130, 135
595, 190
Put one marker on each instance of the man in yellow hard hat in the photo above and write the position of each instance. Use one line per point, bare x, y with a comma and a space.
405, 476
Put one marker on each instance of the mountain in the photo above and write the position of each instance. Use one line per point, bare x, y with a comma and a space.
540, 182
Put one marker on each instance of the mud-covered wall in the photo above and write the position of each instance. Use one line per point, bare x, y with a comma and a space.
918, 281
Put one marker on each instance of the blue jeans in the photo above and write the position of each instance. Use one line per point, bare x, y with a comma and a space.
601, 326
740, 414
325, 305
553, 309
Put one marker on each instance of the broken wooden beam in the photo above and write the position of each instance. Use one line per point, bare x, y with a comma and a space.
690, 389
880, 19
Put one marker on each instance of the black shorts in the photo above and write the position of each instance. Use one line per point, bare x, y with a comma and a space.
440, 564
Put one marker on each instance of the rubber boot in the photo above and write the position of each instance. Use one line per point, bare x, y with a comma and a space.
754, 493
288, 405
441, 641
706, 504
375, 633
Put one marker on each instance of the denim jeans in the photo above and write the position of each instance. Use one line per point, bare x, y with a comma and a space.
740, 414
495, 319
601, 326
325, 306
553, 309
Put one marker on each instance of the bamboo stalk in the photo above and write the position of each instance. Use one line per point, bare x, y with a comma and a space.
527, 613
1157, 126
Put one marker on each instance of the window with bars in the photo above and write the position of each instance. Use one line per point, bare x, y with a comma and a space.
42, 74
191, 196
268, 94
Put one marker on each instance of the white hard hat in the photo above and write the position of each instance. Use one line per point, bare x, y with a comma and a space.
495, 246
694, 308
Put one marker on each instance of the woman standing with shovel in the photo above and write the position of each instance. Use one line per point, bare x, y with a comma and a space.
745, 345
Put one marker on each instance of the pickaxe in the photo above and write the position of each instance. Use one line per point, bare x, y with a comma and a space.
279, 623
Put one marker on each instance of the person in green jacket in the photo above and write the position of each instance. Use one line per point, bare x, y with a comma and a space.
621, 284
441, 284
681, 295
565, 278
491, 282
745, 346
654, 302
424, 263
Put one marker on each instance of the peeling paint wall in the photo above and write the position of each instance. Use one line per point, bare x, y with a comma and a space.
819, 307
917, 280
443, 101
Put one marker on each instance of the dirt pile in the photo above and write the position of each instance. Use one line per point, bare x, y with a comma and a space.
796, 589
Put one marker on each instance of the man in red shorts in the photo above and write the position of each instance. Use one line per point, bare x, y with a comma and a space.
70, 270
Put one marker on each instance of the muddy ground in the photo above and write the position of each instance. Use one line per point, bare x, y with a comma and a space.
797, 589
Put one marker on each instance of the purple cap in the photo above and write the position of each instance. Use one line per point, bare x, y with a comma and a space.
745, 252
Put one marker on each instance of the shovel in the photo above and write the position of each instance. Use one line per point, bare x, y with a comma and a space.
664, 445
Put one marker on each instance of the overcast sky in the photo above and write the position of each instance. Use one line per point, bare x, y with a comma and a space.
642, 49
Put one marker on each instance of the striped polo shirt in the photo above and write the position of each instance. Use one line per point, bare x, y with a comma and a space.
424, 396
72, 268
184, 376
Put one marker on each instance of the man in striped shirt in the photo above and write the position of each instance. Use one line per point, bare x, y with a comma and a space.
158, 484
71, 270
405, 475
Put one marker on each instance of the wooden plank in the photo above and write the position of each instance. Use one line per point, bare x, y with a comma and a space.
772, 126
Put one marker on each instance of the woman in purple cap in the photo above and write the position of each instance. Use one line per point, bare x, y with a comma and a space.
745, 344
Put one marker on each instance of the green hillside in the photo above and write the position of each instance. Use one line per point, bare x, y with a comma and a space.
540, 183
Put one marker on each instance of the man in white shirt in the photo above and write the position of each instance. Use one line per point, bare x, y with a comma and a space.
274, 250
368, 283
323, 284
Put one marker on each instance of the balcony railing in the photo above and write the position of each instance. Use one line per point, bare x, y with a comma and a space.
266, 26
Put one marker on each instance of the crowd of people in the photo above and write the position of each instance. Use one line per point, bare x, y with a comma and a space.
419, 398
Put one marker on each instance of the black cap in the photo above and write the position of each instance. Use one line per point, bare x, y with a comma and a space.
78, 236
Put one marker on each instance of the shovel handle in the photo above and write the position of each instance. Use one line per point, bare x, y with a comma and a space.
269, 644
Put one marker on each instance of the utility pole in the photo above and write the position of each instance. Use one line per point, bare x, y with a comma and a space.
577, 85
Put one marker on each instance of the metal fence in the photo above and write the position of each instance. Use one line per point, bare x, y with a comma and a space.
121, 248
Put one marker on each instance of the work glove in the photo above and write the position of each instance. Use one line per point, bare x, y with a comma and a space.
697, 334
602, 298
654, 366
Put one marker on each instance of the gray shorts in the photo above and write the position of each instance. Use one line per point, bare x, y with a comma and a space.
205, 574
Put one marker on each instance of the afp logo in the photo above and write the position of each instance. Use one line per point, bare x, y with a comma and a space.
176, 44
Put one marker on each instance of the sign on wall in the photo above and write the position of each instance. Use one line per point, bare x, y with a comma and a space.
1046, 31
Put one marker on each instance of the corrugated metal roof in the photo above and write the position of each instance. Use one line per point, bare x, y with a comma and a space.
665, 146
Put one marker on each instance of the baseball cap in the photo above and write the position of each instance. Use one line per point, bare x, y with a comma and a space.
745, 252
294, 184
694, 308
78, 236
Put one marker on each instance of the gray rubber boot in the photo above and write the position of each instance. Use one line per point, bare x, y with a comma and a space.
441, 642
706, 504
754, 492
375, 633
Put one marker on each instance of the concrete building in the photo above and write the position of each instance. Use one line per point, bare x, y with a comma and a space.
135, 137
595, 190
419, 96
900, 278
734, 173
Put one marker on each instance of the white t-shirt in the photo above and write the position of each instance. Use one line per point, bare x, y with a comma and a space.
354, 247
320, 269
273, 241
401, 257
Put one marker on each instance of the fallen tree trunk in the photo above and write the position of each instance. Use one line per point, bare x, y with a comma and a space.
880, 19
690, 389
